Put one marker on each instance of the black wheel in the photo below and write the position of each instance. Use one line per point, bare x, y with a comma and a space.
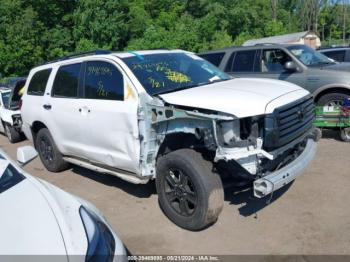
332, 99
48, 152
12, 134
345, 134
189, 192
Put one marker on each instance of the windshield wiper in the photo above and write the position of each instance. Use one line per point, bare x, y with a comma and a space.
219, 80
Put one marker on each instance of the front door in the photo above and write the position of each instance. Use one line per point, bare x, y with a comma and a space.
110, 109
271, 63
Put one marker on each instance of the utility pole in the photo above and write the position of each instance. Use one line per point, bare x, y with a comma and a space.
274, 4
344, 20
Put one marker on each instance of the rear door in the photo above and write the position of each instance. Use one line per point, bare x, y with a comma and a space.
33, 99
337, 55
110, 111
61, 108
243, 63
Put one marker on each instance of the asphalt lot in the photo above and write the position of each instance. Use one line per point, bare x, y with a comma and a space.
312, 216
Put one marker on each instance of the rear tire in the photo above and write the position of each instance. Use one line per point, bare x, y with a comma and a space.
332, 99
50, 156
345, 134
189, 192
12, 134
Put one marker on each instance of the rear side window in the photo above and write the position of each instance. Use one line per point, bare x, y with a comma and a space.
244, 61
66, 81
38, 82
103, 81
214, 58
336, 55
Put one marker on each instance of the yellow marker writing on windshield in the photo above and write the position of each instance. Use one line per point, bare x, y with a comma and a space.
177, 77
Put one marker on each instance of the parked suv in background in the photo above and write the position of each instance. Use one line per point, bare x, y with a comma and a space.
339, 54
328, 81
173, 117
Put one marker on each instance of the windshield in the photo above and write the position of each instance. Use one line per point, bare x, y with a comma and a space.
6, 98
309, 56
168, 72
9, 177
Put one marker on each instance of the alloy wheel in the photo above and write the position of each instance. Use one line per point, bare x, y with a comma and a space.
180, 192
46, 150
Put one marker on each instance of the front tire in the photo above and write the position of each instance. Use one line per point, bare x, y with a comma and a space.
189, 192
345, 134
12, 134
48, 152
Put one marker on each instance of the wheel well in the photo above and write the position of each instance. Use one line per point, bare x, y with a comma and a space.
37, 125
177, 141
332, 90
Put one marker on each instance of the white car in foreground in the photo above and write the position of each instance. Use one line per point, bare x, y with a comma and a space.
38, 218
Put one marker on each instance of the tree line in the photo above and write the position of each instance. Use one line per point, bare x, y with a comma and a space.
34, 31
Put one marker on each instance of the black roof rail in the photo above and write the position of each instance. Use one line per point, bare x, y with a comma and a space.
94, 52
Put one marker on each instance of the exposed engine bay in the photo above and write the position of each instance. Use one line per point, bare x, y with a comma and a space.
238, 142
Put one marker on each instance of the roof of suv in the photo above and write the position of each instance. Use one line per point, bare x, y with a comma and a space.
334, 48
104, 53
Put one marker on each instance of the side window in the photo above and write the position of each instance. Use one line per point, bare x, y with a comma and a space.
229, 63
38, 82
214, 58
103, 81
66, 81
273, 60
244, 61
336, 55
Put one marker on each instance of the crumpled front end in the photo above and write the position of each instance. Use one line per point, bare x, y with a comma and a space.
272, 149
265, 148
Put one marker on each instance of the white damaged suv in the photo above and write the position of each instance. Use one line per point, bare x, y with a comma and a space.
173, 117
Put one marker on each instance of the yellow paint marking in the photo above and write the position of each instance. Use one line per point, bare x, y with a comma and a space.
129, 93
177, 77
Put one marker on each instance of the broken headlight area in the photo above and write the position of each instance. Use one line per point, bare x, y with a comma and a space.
239, 132
240, 141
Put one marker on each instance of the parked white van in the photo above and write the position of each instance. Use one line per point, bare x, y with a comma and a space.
171, 116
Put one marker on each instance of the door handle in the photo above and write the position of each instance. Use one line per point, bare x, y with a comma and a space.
84, 110
47, 106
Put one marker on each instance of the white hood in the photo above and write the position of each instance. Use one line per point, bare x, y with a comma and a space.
241, 97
